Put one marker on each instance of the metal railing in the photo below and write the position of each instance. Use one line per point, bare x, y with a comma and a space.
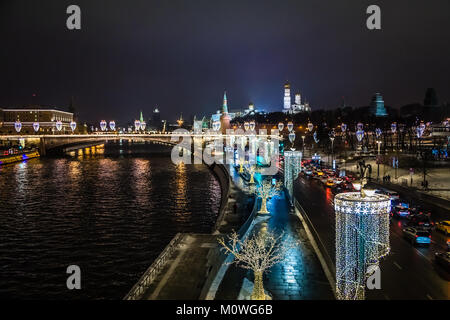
153, 271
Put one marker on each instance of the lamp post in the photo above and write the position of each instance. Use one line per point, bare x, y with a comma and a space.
378, 159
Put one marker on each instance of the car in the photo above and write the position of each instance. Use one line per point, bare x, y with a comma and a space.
329, 183
400, 211
443, 226
443, 259
392, 195
422, 221
417, 236
418, 209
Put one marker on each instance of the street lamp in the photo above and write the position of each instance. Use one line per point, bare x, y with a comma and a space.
378, 159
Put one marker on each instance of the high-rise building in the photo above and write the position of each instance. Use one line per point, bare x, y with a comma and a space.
377, 106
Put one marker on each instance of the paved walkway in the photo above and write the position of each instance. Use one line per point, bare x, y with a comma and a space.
298, 277
185, 274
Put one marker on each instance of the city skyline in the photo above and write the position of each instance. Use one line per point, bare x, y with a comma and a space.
117, 64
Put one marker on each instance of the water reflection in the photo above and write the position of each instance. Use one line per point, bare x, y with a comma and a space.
110, 214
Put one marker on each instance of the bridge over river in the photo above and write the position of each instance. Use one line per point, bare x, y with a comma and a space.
67, 142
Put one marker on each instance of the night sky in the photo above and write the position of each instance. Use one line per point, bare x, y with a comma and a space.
181, 55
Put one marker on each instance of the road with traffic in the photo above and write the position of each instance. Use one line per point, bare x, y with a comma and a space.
408, 272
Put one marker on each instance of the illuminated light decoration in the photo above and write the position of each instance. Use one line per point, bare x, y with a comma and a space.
310, 126
18, 125
362, 239
112, 125
316, 139
343, 127
73, 125
292, 167
143, 125
58, 125
420, 130
252, 125
292, 139
378, 132
103, 125
290, 126
359, 126
216, 125
360, 135
137, 125
280, 126
246, 126
393, 127
36, 126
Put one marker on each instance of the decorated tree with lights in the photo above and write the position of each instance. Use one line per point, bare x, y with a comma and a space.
258, 253
252, 170
266, 191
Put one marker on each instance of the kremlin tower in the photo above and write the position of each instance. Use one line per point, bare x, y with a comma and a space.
225, 117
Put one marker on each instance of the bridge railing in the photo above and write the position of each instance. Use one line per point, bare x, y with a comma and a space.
152, 272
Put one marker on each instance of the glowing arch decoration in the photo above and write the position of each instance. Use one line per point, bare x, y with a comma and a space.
59, 125
143, 125
112, 125
343, 127
246, 126
73, 125
36, 126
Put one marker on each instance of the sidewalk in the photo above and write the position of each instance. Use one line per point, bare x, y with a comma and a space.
299, 277
438, 178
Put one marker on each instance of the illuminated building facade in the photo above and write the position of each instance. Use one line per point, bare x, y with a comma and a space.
298, 106
46, 117
377, 106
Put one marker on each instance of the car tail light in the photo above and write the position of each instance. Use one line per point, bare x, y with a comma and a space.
417, 236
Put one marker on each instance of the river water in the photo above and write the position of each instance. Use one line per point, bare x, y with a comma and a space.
109, 209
